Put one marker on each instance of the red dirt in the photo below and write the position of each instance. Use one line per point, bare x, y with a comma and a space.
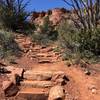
80, 86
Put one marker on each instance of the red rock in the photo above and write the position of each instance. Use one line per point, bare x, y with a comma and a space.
38, 75
14, 70
9, 88
36, 84
32, 94
59, 78
56, 93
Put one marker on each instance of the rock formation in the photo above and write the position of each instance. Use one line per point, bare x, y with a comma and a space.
55, 15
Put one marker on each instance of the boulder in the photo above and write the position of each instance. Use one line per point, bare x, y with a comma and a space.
9, 88
59, 78
16, 74
56, 93
14, 70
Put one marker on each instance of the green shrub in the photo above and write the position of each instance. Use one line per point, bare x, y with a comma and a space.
90, 42
13, 15
78, 44
68, 37
8, 45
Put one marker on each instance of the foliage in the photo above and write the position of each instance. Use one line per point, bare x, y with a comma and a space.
90, 41
45, 33
78, 43
8, 46
13, 14
87, 11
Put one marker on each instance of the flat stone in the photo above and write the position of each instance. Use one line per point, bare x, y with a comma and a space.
36, 84
38, 75
41, 75
32, 94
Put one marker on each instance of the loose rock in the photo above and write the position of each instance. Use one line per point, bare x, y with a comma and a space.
87, 72
14, 70
56, 93
59, 78
9, 88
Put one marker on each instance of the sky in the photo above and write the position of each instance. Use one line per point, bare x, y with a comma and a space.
44, 5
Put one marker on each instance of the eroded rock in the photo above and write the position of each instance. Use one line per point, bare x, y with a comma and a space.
56, 93
14, 70
59, 78
9, 88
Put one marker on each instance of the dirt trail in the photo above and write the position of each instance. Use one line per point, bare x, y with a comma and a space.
36, 57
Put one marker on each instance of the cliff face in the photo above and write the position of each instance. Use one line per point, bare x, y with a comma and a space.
55, 16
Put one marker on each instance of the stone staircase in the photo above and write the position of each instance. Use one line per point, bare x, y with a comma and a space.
43, 55
34, 85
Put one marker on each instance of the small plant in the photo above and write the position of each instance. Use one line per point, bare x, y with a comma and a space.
56, 49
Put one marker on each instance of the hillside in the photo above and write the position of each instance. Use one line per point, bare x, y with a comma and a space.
38, 62
54, 55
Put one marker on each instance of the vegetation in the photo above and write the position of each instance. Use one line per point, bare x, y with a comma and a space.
8, 46
78, 43
80, 36
87, 11
13, 15
45, 33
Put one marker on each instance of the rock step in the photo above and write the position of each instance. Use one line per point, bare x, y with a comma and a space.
44, 55
32, 94
41, 75
45, 60
36, 84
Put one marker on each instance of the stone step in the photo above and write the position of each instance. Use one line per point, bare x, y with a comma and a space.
38, 75
32, 94
36, 84
45, 60
44, 55
41, 55
41, 75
